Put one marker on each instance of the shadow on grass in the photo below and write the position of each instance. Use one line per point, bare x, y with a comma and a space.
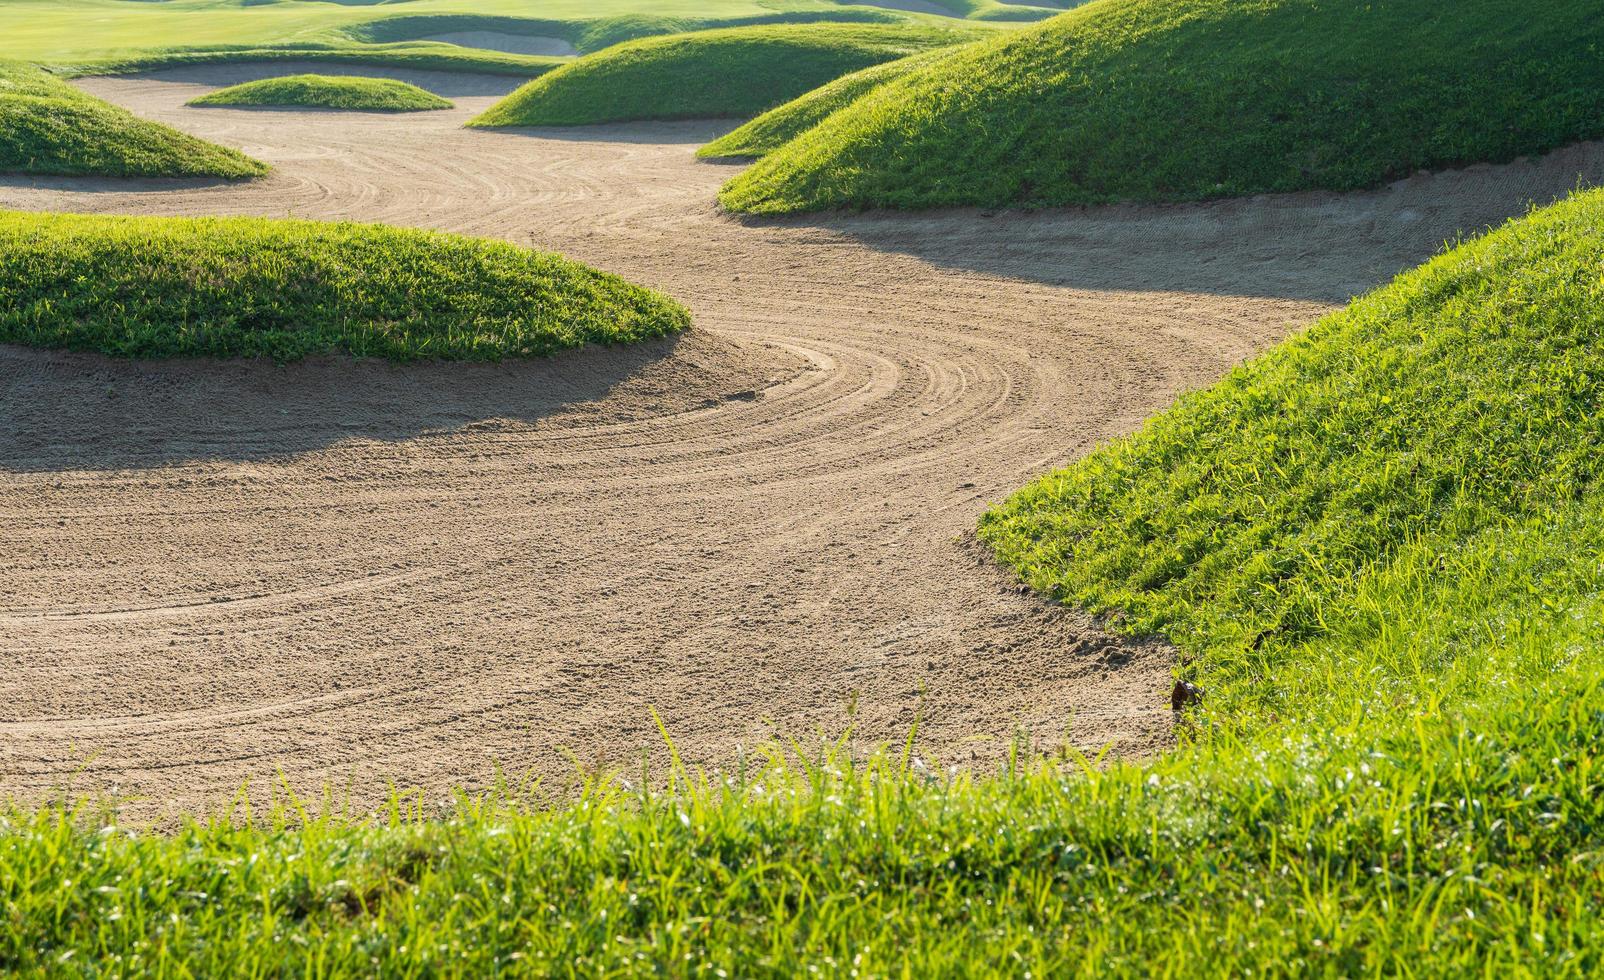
1317, 246
81, 411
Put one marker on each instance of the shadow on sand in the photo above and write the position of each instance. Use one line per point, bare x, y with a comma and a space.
1317, 246
110, 413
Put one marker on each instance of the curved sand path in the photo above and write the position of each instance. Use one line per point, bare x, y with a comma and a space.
357, 572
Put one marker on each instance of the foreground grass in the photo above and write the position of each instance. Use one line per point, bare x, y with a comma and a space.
247, 287
708, 74
49, 127
780, 125
327, 92
1186, 99
1377, 546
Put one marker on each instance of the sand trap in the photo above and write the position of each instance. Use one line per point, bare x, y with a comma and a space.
359, 571
510, 43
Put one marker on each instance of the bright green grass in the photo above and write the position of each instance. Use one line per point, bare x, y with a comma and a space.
115, 35
49, 127
1378, 545
1184, 99
250, 287
738, 71
780, 125
327, 92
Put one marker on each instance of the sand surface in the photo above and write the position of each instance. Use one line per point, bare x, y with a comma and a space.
355, 572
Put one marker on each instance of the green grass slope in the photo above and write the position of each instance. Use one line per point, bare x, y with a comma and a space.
49, 127
1185, 99
707, 74
248, 287
327, 92
1378, 547
780, 125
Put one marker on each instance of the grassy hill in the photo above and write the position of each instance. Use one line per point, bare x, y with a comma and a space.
1377, 548
327, 92
249, 287
780, 125
1183, 99
733, 72
49, 127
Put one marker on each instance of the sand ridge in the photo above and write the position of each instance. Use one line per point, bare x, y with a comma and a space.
354, 572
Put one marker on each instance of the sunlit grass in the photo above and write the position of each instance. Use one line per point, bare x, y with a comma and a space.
707, 74
327, 92
49, 127
1186, 99
251, 287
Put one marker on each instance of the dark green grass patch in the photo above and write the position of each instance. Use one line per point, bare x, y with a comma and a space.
49, 127
327, 92
248, 287
780, 125
1187, 99
710, 74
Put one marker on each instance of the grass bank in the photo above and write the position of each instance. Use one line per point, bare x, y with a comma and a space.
1186, 99
780, 125
49, 127
248, 287
709, 74
327, 92
1377, 548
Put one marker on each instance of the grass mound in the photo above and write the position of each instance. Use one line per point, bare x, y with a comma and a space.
708, 74
1186, 99
49, 127
327, 92
1378, 545
780, 125
249, 287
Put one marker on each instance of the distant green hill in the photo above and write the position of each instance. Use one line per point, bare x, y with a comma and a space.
708, 74
49, 127
1185, 99
327, 92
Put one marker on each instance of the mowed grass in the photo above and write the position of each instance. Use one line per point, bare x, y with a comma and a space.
49, 127
1376, 547
327, 92
1163, 100
249, 287
123, 35
735, 72
780, 125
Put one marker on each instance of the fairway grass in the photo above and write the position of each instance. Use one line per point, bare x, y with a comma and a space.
251, 287
327, 92
1167, 100
733, 72
1376, 548
49, 127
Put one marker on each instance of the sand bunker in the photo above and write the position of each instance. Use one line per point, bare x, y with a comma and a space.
359, 571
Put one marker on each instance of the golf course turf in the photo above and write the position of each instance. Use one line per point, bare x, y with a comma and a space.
780, 125
252, 287
49, 127
327, 92
1164, 100
738, 71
